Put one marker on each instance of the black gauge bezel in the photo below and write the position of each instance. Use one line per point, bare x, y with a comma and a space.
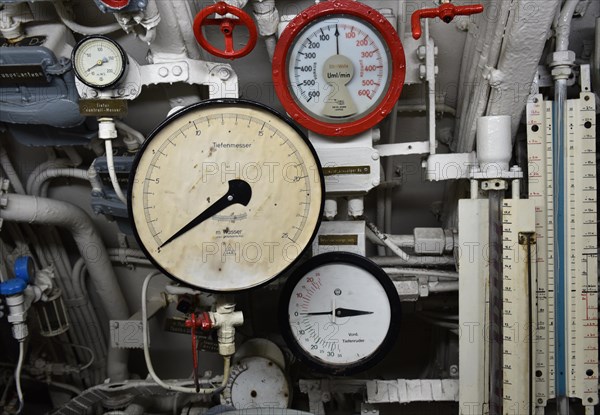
370, 267
222, 102
124, 58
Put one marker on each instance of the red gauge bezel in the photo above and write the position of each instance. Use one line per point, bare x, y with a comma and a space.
391, 40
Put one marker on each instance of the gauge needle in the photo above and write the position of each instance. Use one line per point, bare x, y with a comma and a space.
99, 63
340, 312
239, 192
337, 39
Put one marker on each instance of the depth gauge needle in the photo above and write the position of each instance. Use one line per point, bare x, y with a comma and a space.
340, 312
337, 39
239, 192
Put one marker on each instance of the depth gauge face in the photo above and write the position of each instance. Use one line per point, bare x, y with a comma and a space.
340, 313
339, 68
225, 195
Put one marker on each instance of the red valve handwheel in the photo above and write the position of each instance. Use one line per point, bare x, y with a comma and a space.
116, 4
446, 12
227, 26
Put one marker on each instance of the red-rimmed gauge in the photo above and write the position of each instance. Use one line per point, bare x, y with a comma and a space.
339, 68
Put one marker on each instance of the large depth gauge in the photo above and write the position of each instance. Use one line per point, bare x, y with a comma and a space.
340, 313
339, 68
225, 195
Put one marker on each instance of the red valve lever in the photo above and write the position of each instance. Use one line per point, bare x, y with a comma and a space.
446, 12
226, 25
205, 324
202, 321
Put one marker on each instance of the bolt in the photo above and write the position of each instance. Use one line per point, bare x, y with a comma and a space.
436, 70
224, 74
422, 71
375, 182
177, 70
422, 52
93, 93
375, 155
453, 370
163, 72
115, 324
121, 91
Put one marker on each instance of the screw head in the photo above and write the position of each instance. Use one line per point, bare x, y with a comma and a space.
224, 74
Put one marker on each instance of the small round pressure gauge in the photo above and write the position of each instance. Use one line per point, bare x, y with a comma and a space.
99, 62
340, 313
225, 195
339, 68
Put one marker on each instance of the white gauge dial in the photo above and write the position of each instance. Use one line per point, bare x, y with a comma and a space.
99, 62
225, 195
342, 312
338, 69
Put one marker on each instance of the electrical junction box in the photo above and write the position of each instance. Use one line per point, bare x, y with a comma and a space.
37, 85
344, 236
350, 167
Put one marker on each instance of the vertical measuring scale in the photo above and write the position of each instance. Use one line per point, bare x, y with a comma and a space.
560, 283
566, 323
518, 263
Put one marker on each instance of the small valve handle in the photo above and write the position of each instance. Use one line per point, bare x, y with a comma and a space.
201, 321
227, 26
205, 324
446, 12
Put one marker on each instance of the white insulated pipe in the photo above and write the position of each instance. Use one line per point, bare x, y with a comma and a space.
42, 211
10, 171
494, 144
563, 28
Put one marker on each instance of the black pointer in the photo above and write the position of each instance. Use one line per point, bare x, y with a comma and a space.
239, 192
337, 39
340, 312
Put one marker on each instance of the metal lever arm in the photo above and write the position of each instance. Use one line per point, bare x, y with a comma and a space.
446, 12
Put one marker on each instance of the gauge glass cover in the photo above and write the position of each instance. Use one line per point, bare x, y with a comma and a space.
341, 313
99, 62
225, 195
339, 68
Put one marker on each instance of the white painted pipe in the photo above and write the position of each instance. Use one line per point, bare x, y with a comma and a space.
413, 261
563, 28
38, 171
67, 172
494, 144
419, 272
10, 171
41, 211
